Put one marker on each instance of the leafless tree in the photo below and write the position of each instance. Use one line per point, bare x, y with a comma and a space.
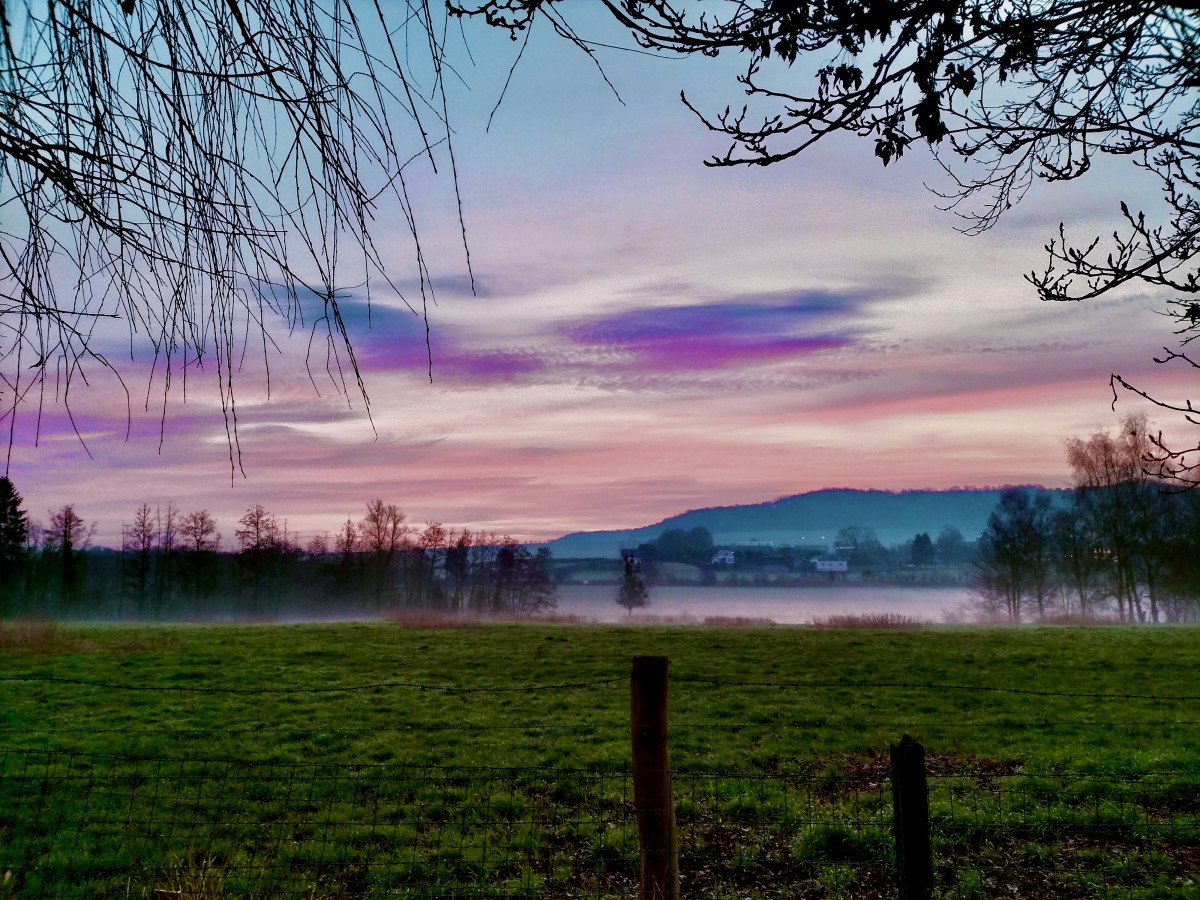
860, 544
67, 531
428, 546
1078, 561
199, 531
384, 533
64, 538
458, 567
260, 530
1126, 510
200, 542
139, 540
520, 580
167, 522
1014, 563
198, 170
260, 538
348, 540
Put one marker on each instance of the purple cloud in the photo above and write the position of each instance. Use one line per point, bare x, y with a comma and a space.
490, 366
763, 328
639, 343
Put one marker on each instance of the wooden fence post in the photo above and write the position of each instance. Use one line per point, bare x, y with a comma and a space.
910, 806
652, 779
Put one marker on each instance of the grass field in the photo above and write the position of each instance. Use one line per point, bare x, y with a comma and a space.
295, 760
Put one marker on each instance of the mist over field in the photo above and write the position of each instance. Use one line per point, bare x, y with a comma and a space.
783, 605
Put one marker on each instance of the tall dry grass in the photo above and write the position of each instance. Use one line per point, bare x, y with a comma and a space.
45, 636
707, 621
737, 622
34, 636
429, 618
870, 621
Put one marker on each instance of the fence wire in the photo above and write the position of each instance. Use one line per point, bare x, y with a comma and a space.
1066, 835
107, 825
83, 825
76, 825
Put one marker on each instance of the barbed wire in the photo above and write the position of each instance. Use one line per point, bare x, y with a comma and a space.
723, 725
933, 686
618, 772
333, 689
600, 682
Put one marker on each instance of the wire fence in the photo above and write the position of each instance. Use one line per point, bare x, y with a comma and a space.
96, 825
1067, 835
77, 824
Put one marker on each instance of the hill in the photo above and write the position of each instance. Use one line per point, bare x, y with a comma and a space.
813, 518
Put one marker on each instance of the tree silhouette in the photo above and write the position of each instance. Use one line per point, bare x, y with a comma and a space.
260, 540
860, 544
139, 539
198, 529
923, 552
951, 545
427, 548
200, 170
1080, 561
520, 580
64, 539
1015, 561
632, 594
14, 539
694, 545
1005, 94
383, 533
1125, 511
199, 543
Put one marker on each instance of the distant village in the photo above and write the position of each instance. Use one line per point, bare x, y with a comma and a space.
692, 557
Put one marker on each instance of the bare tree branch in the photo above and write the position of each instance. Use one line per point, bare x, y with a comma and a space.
1005, 93
192, 169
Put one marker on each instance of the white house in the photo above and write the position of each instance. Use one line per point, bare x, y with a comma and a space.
723, 558
832, 565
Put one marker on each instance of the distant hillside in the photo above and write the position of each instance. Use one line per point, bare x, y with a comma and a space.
812, 518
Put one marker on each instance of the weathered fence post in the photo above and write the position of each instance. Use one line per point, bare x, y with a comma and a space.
910, 806
652, 779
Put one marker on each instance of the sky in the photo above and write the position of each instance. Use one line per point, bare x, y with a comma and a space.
646, 335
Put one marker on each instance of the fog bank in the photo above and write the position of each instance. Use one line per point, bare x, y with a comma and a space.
784, 606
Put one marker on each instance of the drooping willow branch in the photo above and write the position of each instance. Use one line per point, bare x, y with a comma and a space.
198, 170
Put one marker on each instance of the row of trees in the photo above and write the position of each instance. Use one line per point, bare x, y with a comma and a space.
1121, 545
857, 543
172, 564
861, 547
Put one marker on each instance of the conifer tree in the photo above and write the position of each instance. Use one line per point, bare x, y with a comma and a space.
632, 594
14, 535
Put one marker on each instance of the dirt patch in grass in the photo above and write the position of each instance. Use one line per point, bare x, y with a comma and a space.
874, 769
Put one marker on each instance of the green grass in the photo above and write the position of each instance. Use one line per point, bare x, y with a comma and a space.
426, 774
720, 726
